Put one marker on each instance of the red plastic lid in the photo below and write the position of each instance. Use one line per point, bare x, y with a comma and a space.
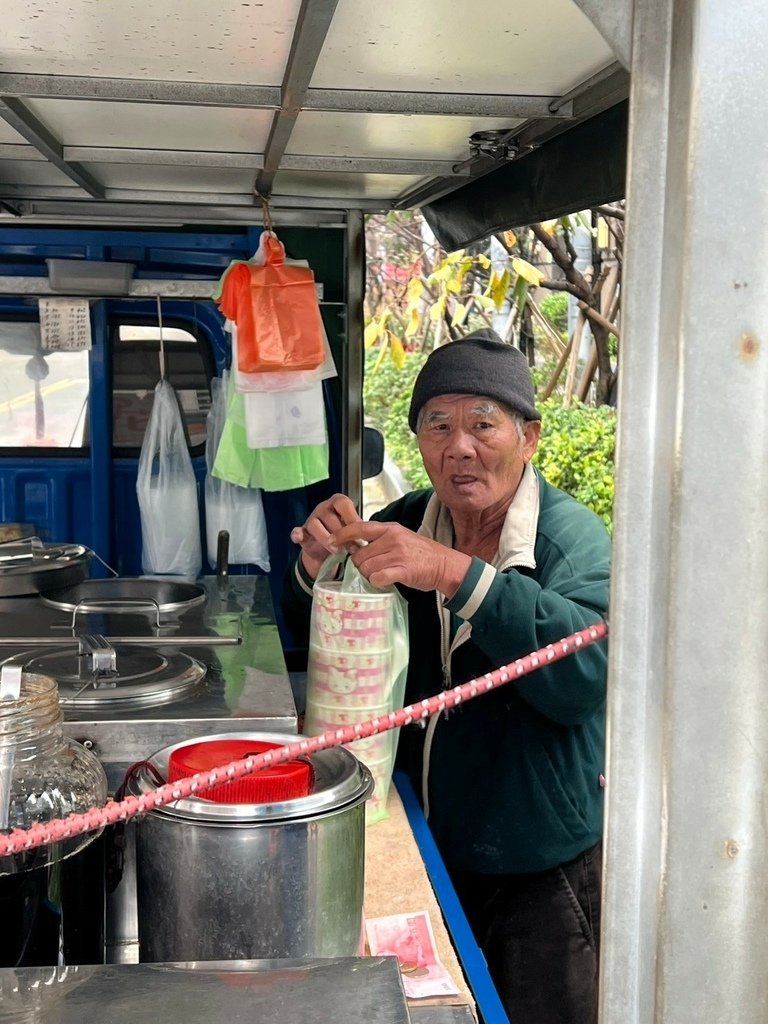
286, 781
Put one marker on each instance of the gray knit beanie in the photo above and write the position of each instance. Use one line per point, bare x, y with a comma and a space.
480, 364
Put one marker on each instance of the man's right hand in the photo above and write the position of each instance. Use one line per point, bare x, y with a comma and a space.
314, 536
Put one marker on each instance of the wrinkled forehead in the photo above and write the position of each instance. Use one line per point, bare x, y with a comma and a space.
449, 406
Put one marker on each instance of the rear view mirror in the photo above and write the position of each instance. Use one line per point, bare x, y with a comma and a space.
373, 452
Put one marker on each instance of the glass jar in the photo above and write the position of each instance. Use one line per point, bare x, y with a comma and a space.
51, 898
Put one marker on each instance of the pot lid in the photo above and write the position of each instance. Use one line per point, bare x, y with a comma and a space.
27, 567
126, 594
143, 676
340, 781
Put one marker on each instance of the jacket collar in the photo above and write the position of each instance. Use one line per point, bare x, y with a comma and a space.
518, 534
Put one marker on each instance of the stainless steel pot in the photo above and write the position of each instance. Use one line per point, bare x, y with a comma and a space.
126, 594
28, 567
255, 881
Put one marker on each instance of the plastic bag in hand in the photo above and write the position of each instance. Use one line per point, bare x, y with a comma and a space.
358, 662
167, 492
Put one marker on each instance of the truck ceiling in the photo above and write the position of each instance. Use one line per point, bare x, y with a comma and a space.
186, 112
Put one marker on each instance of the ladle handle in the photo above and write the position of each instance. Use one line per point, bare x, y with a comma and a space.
222, 556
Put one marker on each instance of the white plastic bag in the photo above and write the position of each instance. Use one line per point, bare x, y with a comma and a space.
167, 492
358, 662
238, 510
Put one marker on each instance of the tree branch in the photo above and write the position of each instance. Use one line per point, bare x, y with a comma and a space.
562, 286
600, 320
569, 247
580, 287
609, 211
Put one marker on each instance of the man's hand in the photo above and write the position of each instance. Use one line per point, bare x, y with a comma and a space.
390, 553
315, 535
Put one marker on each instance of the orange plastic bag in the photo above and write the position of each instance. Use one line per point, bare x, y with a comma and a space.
276, 311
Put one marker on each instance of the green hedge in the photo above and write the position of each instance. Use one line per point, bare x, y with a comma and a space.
576, 451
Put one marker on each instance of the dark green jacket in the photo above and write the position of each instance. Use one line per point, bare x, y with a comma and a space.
514, 776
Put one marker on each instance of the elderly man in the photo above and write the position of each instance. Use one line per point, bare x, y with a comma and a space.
494, 563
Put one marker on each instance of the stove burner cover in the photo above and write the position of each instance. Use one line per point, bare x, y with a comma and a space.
126, 594
144, 677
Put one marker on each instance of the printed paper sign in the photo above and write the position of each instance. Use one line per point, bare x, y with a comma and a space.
65, 325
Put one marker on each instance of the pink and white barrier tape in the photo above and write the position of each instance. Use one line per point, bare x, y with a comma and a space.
96, 818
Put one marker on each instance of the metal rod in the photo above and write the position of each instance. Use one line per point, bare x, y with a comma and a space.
585, 86
27, 125
134, 641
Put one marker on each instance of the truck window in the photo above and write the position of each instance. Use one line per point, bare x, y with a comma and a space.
43, 395
136, 371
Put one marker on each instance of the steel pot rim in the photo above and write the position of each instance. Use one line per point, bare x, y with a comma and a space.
343, 782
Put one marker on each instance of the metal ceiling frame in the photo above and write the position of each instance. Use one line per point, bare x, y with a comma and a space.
14, 113
602, 90
241, 161
540, 118
312, 25
267, 97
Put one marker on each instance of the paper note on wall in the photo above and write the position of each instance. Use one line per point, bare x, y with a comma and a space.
65, 325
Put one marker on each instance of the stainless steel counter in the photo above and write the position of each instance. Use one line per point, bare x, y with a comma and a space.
245, 686
345, 991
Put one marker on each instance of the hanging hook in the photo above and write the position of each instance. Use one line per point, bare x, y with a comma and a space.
162, 345
265, 211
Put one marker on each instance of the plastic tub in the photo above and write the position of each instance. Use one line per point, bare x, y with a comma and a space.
89, 277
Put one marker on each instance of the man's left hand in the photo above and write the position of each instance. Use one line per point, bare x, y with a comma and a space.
390, 553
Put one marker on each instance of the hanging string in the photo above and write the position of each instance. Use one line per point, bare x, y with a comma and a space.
265, 211
162, 345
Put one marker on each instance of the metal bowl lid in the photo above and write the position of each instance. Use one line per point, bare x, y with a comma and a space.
144, 677
340, 781
126, 594
27, 567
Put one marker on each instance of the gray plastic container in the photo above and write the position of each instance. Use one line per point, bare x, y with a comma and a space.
89, 277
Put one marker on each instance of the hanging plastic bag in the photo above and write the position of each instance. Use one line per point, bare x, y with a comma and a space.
280, 419
358, 661
238, 510
291, 380
276, 311
167, 491
271, 469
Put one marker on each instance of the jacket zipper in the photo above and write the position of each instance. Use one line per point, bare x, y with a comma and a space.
446, 651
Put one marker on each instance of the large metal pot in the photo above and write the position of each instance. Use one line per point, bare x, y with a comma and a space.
28, 567
255, 881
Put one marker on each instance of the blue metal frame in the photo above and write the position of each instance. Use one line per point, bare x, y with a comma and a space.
72, 492
469, 953
100, 411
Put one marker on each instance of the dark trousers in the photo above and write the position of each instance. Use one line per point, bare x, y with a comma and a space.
540, 934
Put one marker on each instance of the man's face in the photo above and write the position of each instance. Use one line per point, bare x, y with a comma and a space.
473, 452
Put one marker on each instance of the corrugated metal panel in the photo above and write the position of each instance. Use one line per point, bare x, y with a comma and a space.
191, 40
153, 126
443, 46
388, 135
213, 101
33, 173
186, 179
316, 183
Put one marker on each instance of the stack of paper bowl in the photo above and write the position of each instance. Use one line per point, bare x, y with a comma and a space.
351, 675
